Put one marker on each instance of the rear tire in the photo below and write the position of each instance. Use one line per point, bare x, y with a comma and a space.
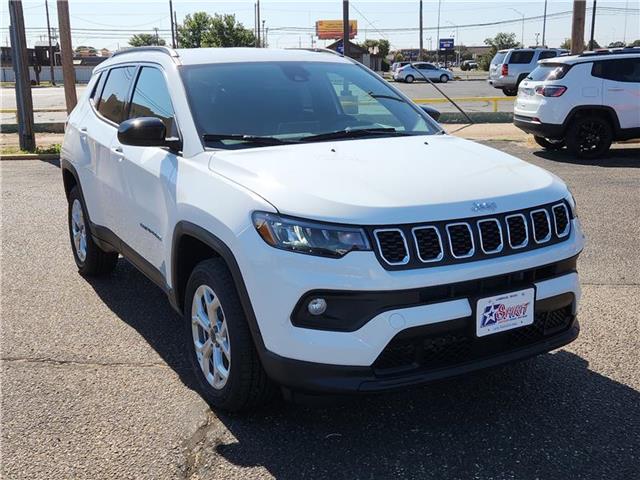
444, 78
549, 144
409, 79
90, 258
219, 343
589, 136
510, 92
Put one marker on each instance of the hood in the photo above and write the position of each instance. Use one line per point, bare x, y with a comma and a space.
388, 180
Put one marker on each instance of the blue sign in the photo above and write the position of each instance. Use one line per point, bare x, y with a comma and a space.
340, 47
446, 44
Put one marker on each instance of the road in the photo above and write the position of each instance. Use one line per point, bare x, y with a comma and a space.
53, 97
94, 384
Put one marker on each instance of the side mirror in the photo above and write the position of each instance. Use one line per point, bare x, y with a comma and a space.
432, 112
143, 132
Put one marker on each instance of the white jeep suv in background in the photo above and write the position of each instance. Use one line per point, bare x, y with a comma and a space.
584, 102
263, 191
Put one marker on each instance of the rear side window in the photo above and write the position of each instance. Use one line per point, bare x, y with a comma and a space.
498, 58
151, 98
549, 71
521, 57
618, 70
95, 93
114, 93
547, 54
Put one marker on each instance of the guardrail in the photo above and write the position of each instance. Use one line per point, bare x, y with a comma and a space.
493, 100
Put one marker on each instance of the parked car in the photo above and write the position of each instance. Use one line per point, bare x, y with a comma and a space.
509, 67
419, 70
584, 102
396, 65
469, 65
263, 191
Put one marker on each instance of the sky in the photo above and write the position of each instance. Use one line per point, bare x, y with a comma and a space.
291, 23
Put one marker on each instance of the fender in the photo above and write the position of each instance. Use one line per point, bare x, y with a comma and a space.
611, 113
217, 245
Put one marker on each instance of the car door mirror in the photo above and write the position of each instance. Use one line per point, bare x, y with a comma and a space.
143, 132
432, 112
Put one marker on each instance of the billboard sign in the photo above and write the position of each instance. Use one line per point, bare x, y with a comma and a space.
332, 29
446, 44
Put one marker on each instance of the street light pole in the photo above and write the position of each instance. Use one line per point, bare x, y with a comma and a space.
438, 33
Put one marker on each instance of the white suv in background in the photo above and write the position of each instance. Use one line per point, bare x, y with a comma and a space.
262, 190
584, 102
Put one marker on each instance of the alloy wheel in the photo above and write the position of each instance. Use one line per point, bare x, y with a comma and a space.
211, 337
78, 230
590, 136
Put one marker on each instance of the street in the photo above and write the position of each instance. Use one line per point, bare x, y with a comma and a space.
95, 384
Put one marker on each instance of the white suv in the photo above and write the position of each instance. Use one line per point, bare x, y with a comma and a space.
316, 229
584, 102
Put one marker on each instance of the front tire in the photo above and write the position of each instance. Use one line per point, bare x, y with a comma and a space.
90, 259
549, 144
444, 78
589, 136
219, 343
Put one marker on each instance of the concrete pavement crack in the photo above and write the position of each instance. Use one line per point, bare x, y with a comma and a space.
194, 444
51, 361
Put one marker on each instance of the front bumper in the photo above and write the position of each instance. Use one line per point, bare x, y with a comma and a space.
334, 379
539, 129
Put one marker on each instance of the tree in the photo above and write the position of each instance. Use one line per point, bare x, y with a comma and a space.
85, 51
635, 43
502, 41
383, 46
225, 31
193, 29
145, 39
617, 45
398, 57
567, 45
203, 30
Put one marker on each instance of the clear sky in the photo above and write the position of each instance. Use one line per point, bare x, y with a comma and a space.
291, 23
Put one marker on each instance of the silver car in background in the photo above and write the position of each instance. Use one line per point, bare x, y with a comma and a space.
420, 70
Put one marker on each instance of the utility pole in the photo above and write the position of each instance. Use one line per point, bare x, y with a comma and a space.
264, 36
258, 23
537, 38
66, 55
345, 28
23, 85
438, 33
157, 38
421, 44
577, 26
593, 25
544, 24
173, 31
175, 22
51, 56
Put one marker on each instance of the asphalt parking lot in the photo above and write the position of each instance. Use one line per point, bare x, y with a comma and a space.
94, 384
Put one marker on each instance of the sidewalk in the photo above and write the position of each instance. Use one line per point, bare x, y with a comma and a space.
478, 131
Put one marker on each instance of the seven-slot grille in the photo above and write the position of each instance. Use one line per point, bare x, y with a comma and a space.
441, 243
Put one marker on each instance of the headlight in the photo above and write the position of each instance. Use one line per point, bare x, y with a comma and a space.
309, 237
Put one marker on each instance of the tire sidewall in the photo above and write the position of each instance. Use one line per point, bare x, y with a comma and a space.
444, 78
73, 196
573, 142
409, 79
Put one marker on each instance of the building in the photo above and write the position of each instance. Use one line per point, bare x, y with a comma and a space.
360, 54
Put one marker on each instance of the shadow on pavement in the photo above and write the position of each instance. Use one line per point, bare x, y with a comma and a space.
549, 417
615, 158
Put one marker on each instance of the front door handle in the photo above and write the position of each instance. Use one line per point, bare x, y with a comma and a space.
118, 153
615, 89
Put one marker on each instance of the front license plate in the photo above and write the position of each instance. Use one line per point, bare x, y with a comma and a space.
504, 312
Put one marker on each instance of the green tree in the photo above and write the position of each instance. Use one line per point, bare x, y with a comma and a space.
225, 31
398, 57
502, 41
567, 45
145, 39
84, 50
192, 32
635, 43
383, 46
617, 45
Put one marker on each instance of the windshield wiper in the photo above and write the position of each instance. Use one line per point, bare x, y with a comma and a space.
212, 137
352, 133
390, 97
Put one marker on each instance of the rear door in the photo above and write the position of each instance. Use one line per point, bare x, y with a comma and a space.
621, 88
496, 64
149, 174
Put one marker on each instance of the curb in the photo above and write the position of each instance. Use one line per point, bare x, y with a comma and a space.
55, 127
30, 156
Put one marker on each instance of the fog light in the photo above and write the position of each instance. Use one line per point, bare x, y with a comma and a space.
317, 306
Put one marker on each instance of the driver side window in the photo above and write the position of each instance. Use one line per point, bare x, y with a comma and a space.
151, 99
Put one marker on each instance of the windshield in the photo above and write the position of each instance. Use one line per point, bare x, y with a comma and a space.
549, 71
291, 101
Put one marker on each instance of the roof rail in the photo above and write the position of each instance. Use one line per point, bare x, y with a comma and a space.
160, 49
315, 49
610, 51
